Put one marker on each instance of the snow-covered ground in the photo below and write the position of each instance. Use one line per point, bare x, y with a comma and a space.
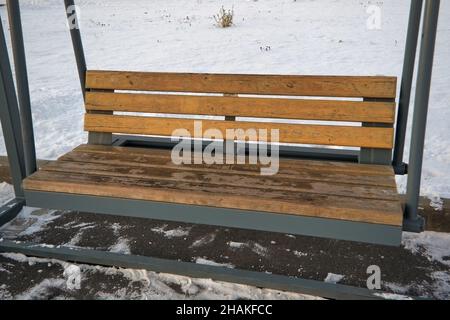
269, 36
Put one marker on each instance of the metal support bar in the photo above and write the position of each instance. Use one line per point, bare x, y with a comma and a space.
190, 269
413, 221
10, 119
77, 43
405, 91
10, 210
23, 90
225, 217
285, 151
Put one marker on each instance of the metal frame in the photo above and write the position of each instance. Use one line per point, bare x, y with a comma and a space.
233, 218
10, 210
415, 14
328, 228
285, 151
77, 44
10, 120
414, 222
23, 90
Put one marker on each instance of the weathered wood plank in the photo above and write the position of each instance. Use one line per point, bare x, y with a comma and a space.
303, 174
146, 155
327, 86
349, 136
226, 179
324, 110
317, 205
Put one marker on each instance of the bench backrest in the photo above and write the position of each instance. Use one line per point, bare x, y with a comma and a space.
246, 96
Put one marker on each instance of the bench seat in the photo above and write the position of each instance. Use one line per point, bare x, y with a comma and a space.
320, 189
337, 200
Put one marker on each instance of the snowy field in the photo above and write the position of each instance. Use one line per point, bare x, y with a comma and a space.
269, 36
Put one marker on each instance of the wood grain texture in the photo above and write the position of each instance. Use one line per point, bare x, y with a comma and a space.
291, 175
206, 194
289, 168
325, 110
349, 136
231, 179
342, 191
326, 86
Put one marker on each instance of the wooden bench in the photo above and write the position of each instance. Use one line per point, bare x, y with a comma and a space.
342, 200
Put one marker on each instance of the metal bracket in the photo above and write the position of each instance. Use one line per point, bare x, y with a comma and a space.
10, 210
414, 225
345, 155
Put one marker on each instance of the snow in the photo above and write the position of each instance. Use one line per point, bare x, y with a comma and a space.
41, 290
122, 246
300, 254
236, 245
442, 284
173, 233
204, 240
434, 245
391, 296
213, 263
270, 36
6, 192
146, 285
36, 219
333, 278
72, 273
253, 246
30, 260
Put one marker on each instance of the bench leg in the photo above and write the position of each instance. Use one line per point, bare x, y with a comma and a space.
100, 138
413, 221
372, 155
375, 156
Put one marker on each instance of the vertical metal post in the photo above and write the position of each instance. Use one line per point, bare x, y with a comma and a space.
77, 43
23, 90
10, 119
407, 77
413, 222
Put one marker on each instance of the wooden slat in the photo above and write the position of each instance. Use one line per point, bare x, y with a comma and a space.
224, 178
289, 133
304, 173
326, 110
326, 86
335, 207
146, 155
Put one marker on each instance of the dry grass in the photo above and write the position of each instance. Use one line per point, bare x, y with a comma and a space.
224, 18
